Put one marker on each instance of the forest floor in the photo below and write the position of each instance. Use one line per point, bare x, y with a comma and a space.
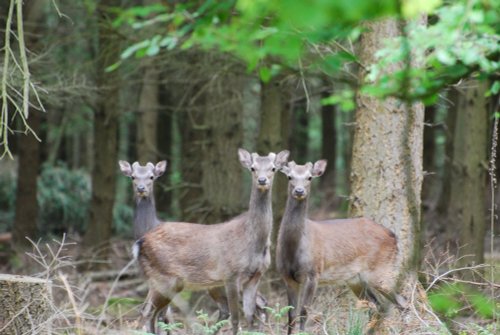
104, 302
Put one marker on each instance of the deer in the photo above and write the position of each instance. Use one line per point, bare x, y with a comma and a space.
309, 253
232, 255
145, 216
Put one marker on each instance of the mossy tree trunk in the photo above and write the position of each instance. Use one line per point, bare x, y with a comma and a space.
386, 175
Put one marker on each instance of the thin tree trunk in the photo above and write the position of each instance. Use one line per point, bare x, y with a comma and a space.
148, 114
466, 211
386, 175
25, 222
451, 118
100, 226
273, 137
328, 151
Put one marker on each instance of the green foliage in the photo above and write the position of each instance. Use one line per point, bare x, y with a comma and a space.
63, 197
450, 299
205, 326
462, 40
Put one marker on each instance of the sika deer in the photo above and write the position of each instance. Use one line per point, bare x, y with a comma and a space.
143, 178
311, 253
145, 218
234, 254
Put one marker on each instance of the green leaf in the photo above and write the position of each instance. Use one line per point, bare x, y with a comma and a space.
134, 48
265, 74
113, 67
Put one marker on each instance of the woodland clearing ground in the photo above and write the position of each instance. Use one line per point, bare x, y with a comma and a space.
79, 297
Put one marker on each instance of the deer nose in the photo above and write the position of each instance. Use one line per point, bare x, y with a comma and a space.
299, 191
262, 181
141, 188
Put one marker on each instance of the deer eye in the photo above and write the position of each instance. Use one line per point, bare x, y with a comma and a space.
274, 170
132, 177
310, 178
289, 178
252, 169
151, 177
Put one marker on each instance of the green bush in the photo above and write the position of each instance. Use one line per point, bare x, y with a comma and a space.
63, 199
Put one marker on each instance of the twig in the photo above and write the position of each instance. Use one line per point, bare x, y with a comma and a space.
24, 59
437, 278
73, 303
125, 268
5, 104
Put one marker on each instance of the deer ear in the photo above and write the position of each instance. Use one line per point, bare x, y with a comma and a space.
245, 158
125, 168
281, 158
319, 168
285, 170
160, 168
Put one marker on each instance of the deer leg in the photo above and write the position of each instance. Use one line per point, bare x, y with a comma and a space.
249, 298
219, 296
292, 312
307, 295
232, 299
156, 302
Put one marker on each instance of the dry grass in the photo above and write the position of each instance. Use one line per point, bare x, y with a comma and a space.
104, 302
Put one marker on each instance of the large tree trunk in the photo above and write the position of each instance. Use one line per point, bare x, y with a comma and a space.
222, 171
105, 139
25, 223
386, 175
466, 211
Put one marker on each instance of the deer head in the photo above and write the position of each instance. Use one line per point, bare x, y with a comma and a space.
143, 177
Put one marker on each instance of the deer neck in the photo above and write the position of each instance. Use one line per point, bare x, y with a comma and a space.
294, 221
144, 216
260, 216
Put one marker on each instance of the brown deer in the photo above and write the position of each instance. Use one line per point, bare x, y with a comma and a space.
234, 254
309, 253
143, 177
145, 217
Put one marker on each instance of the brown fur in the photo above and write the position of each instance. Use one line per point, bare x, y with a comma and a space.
311, 253
233, 255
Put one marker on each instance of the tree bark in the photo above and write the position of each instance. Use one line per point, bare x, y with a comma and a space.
26, 216
273, 137
222, 171
328, 151
451, 118
25, 305
105, 140
466, 211
386, 175
148, 114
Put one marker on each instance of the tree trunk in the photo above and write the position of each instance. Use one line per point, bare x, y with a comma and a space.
25, 222
451, 118
273, 137
148, 114
105, 140
466, 211
429, 182
328, 151
25, 305
386, 174
222, 171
